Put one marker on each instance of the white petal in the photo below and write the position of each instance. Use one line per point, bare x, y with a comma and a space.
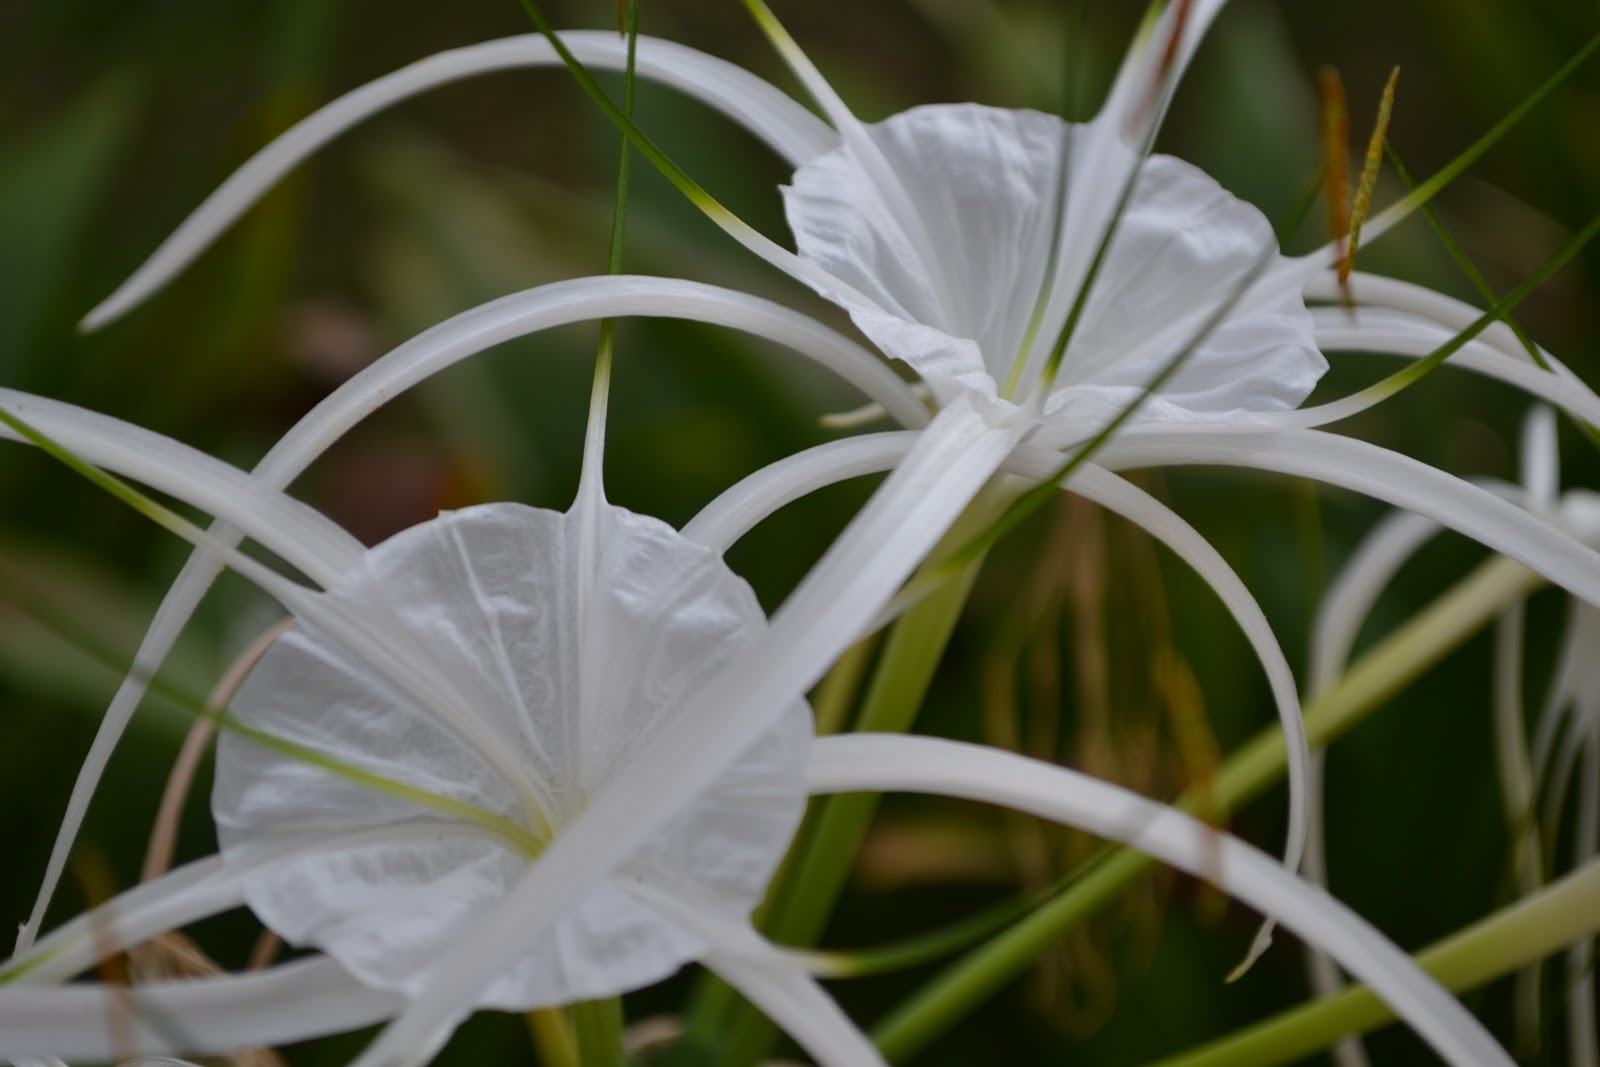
984, 186
741, 506
297, 533
1379, 473
981, 182
578, 300
823, 617
769, 979
96, 1023
1573, 673
1157, 519
790, 129
1373, 291
1167, 43
1184, 247
1541, 460
883, 763
493, 592
193, 892
1406, 334
733, 513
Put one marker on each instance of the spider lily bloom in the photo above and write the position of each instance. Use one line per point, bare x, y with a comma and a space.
965, 241
1255, 354
442, 722
1566, 737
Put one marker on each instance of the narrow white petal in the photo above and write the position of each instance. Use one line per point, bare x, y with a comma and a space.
1541, 460
769, 978
1374, 291
1131, 502
579, 300
743, 505
1566, 686
1133, 97
824, 616
1412, 336
898, 763
1376, 472
1146, 511
1364, 577
1323, 974
190, 893
98, 1023
793, 999
733, 513
299, 534
790, 129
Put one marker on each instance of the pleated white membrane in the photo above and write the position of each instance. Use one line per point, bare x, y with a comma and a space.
542, 653
982, 188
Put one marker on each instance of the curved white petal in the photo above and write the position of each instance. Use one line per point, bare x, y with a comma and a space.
821, 618
1378, 473
568, 698
1406, 334
1567, 685
1161, 522
1374, 291
769, 979
790, 129
97, 1023
1541, 459
579, 300
739, 508
1364, 577
884, 763
732, 514
1322, 973
193, 892
297, 533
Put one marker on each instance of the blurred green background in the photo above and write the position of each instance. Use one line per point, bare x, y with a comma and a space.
116, 119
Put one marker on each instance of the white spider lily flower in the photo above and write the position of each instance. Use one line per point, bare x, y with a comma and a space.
962, 238
1566, 736
576, 645
1218, 407
493, 679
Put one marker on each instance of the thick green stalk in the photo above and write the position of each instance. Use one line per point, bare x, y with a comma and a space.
1536, 926
1405, 654
597, 1026
800, 902
551, 1032
799, 909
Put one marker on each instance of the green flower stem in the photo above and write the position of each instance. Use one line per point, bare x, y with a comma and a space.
1405, 654
551, 1033
835, 696
597, 1026
800, 903
800, 907
836, 693
1537, 926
